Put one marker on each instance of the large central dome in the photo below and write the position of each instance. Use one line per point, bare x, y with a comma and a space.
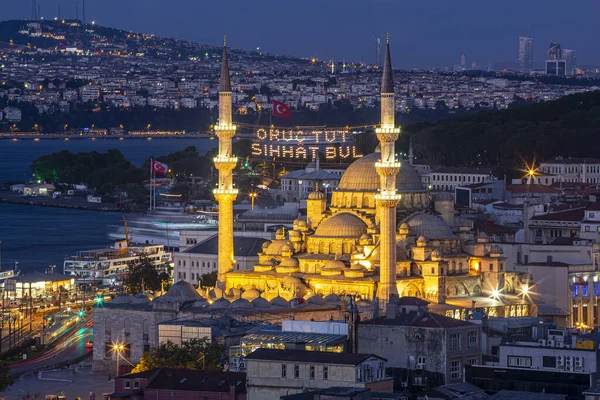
342, 225
361, 176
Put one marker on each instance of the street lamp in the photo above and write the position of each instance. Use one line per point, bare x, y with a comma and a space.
253, 196
118, 348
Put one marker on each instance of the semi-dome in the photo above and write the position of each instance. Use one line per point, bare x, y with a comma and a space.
343, 225
429, 226
122, 298
259, 302
182, 291
317, 300
362, 176
220, 304
333, 268
332, 298
289, 262
241, 304
276, 247
317, 195
141, 298
335, 265
279, 302
200, 303
251, 294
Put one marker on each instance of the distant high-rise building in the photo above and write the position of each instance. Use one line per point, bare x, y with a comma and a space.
556, 65
378, 52
570, 56
554, 52
525, 53
463, 61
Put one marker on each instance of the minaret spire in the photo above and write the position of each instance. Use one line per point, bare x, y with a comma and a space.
387, 84
225, 162
387, 199
225, 81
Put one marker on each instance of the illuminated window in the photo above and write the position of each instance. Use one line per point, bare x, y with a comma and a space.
514, 361
575, 290
585, 290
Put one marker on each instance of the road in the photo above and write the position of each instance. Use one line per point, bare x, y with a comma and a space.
70, 347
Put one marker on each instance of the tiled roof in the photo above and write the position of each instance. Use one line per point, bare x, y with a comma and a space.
318, 357
423, 320
517, 394
570, 215
242, 246
198, 381
573, 160
536, 188
463, 170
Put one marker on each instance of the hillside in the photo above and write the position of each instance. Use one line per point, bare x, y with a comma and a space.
569, 126
60, 34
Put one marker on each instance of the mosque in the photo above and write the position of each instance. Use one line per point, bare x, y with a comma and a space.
382, 235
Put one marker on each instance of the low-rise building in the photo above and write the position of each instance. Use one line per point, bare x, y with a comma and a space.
169, 383
197, 260
425, 349
275, 373
560, 363
448, 178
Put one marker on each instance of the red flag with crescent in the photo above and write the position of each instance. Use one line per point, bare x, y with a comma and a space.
159, 168
281, 110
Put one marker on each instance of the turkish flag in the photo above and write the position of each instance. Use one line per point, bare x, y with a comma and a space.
281, 110
159, 168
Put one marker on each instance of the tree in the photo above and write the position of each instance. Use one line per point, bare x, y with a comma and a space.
5, 380
192, 354
143, 276
209, 279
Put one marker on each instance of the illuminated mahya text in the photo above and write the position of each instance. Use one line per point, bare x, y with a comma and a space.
304, 145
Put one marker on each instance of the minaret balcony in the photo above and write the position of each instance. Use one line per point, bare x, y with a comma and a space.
387, 168
388, 198
225, 194
224, 163
225, 130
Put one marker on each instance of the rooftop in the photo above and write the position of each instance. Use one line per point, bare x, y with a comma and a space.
198, 381
318, 357
517, 394
569, 216
243, 246
421, 320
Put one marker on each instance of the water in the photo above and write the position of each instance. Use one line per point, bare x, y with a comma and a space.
17, 156
36, 237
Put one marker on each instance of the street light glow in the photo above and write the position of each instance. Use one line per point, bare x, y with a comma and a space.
525, 289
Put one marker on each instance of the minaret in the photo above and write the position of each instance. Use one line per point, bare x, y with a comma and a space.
225, 162
411, 154
387, 198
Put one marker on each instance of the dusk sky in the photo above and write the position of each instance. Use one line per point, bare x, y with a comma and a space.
423, 32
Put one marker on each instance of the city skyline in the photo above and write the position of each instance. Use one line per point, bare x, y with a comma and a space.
424, 35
